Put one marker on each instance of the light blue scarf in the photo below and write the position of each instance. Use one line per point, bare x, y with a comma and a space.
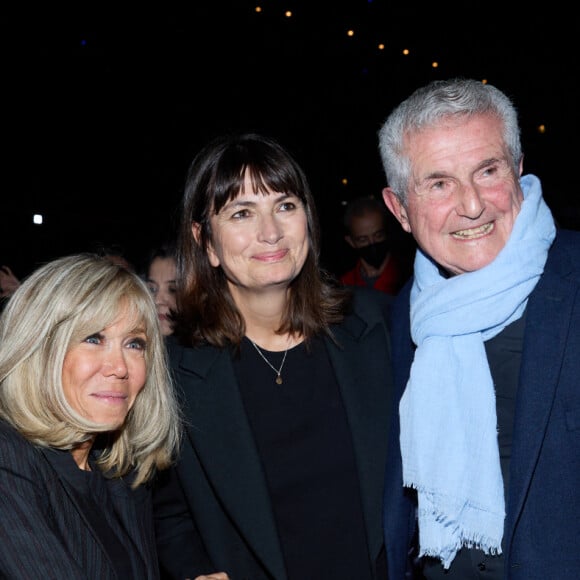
448, 415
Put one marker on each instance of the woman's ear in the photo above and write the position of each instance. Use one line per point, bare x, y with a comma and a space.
397, 208
211, 254
196, 232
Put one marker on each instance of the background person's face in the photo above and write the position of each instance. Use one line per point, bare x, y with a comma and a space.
366, 229
161, 280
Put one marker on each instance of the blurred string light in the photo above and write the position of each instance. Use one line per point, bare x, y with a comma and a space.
350, 32
381, 47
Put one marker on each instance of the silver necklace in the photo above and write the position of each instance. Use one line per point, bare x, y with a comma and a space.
277, 371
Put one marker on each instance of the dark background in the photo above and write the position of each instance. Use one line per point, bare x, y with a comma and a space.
104, 109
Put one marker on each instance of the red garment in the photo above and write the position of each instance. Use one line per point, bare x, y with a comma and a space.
389, 280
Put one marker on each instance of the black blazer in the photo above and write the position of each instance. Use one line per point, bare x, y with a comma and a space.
213, 512
48, 529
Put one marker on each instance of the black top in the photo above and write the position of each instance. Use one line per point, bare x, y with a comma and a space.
504, 354
103, 499
303, 437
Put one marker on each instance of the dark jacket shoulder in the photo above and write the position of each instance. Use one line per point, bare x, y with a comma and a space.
372, 305
564, 255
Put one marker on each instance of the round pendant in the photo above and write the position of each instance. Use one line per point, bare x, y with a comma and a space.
278, 380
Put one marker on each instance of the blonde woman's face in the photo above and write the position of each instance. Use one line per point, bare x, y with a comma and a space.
103, 374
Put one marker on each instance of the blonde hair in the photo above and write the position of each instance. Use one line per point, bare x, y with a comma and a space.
57, 306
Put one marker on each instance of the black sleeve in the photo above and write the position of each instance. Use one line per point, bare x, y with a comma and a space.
179, 546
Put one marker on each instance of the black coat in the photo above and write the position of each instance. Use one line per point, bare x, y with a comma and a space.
213, 512
50, 528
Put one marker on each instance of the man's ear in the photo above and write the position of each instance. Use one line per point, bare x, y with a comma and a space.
211, 255
395, 206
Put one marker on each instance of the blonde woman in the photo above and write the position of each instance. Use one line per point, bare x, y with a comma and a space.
87, 416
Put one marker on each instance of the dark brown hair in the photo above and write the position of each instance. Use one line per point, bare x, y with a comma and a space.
207, 311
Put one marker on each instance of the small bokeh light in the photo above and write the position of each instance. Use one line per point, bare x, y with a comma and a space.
37, 219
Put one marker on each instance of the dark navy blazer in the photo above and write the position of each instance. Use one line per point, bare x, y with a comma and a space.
49, 529
542, 528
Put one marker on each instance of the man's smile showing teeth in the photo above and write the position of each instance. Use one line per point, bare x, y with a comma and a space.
474, 232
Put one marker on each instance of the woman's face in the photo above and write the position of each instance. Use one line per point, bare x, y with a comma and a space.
103, 374
260, 240
161, 281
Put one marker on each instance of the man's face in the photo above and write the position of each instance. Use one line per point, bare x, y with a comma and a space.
365, 229
464, 196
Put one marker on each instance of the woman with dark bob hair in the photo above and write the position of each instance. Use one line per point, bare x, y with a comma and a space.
285, 378
87, 417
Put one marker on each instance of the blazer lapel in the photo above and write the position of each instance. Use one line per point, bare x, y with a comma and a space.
219, 432
366, 388
552, 301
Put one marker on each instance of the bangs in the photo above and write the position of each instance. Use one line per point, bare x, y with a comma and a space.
105, 308
267, 174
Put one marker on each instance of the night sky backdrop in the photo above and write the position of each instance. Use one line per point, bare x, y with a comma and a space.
105, 108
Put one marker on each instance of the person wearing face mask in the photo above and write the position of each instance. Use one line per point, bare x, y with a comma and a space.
378, 265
